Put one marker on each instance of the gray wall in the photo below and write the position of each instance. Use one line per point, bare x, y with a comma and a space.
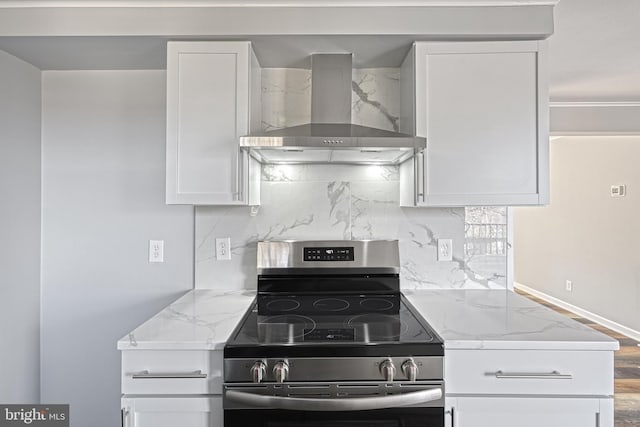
19, 230
585, 235
103, 158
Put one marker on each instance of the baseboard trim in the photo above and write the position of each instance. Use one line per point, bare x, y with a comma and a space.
614, 326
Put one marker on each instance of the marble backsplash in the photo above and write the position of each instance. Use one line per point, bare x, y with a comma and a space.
320, 202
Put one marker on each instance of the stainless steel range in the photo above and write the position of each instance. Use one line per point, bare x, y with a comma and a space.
331, 341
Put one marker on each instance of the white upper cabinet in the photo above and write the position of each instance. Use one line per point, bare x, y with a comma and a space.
483, 107
213, 89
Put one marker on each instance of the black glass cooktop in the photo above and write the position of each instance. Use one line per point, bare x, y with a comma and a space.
341, 325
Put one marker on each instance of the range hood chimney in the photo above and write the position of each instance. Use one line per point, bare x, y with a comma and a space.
330, 137
331, 88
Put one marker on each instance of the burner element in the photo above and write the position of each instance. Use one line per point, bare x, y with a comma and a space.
283, 304
285, 328
376, 304
380, 325
331, 304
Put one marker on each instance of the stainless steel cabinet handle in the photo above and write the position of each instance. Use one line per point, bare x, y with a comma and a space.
148, 375
124, 417
452, 414
239, 168
346, 404
555, 375
420, 178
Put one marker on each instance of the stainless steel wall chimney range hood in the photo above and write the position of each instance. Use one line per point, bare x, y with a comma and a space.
330, 137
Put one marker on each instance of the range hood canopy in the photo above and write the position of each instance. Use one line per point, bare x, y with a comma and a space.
330, 137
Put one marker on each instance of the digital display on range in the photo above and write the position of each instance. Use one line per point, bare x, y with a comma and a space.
342, 334
329, 254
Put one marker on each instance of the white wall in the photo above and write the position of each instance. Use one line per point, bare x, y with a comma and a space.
19, 230
103, 156
585, 235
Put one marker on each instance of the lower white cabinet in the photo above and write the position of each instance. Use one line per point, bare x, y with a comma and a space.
529, 388
530, 411
171, 388
184, 411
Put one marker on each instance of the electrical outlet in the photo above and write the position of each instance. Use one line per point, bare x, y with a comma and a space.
156, 250
445, 250
223, 249
568, 286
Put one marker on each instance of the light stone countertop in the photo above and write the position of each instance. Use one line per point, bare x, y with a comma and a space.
199, 320
465, 319
498, 319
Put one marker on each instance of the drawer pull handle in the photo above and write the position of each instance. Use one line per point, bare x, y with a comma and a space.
148, 375
555, 375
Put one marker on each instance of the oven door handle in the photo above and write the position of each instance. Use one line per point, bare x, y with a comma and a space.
344, 404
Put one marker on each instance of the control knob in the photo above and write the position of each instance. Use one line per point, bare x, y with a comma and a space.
281, 371
410, 369
258, 371
387, 370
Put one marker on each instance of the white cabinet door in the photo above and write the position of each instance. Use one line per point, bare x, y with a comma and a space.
483, 108
210, 88
525, 412
172, 412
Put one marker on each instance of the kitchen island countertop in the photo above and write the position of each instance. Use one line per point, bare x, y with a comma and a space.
502, 320
465, 319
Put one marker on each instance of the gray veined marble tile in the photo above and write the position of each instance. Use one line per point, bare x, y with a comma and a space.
286, 97
304, 210
238, 224
375, 97
419, 232
375, 213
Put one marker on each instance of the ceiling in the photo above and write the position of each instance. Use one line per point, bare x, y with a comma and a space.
594, 53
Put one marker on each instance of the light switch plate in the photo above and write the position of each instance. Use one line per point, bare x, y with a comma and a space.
445, 249
568, 286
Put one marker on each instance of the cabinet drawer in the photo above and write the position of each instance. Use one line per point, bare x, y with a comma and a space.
171, 372
529, 372
189, 411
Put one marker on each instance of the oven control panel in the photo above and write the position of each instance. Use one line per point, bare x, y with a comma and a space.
284, 370
329, 254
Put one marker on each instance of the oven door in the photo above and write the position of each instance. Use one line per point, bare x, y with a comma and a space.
334, 405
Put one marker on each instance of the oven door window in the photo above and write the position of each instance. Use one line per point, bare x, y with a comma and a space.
397, 417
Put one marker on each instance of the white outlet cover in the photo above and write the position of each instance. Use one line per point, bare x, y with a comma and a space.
156, 250
445, 250
223, 249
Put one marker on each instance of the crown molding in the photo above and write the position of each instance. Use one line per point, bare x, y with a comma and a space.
594, 104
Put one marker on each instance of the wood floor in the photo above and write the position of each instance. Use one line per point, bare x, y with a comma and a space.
627, 369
